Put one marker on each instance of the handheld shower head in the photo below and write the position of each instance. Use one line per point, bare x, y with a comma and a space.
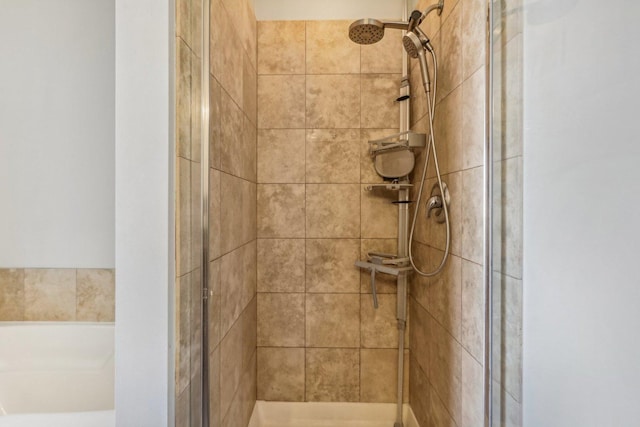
416, 44
366, 31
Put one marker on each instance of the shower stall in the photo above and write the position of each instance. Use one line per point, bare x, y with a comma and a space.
340, 216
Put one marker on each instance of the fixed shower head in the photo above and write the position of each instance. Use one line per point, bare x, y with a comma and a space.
366, 31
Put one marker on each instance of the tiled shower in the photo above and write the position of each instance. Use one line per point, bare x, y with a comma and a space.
292, 106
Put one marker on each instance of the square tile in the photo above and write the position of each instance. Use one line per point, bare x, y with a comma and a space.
281, 374
333, 210
472, 214
333, 101
333, 375
332, 156
281, 210
333, 320
330, 265
281, 156
379, 327
11, 294
281, 320
379, 216
281, 47
281, 265
95, 295
473, 308
379, 375
378, 100
50, 294
329, 49
281, 102
384, 56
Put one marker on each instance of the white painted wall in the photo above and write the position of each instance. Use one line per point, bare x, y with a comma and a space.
144, 213
273, 10
57, 133
582, 214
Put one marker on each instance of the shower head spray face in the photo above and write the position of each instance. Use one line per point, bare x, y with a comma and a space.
366, 31
412, 44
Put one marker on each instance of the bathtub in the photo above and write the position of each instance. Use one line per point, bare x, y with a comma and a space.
56, 374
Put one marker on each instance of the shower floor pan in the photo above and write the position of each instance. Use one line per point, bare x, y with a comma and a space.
321, 414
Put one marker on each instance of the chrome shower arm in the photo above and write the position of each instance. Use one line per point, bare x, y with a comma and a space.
439, 6
398, 25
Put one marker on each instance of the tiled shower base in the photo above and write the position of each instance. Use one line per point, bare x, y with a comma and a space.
312, 414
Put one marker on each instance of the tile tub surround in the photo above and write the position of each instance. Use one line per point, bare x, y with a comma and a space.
57, 294
321, 98
447, 311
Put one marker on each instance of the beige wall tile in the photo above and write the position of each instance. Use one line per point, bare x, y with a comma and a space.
248, 389
441, 294
232, 276
332, 374
419, 392
450, 53
472, 309
95, 295
196, 400
231, 52
448, 133
367, 171
509, 195
215, 224
438, 413
333, 210
183, 98
379, 327
445, 369
183, 408
332, 101
183, 216
332, 156
419, 333
281, 210
472, 391
384, 56
196, 107
230, 366
473, 104
11, 294
196, 217
281, 102
281, 374
385, 283
50, 294
215, 308
183, 20
250, 90
195, 326
330, 265
249, 334
281, 156
379, 375
379, 216
281, 47
215, 123
183, 333
249, 148
472, 185
418, 101
333, 320
281, 265
379, 108
233, 417
214, 387
474, 18
281, 320
329, 50
237, 203
216, 37
231, 148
